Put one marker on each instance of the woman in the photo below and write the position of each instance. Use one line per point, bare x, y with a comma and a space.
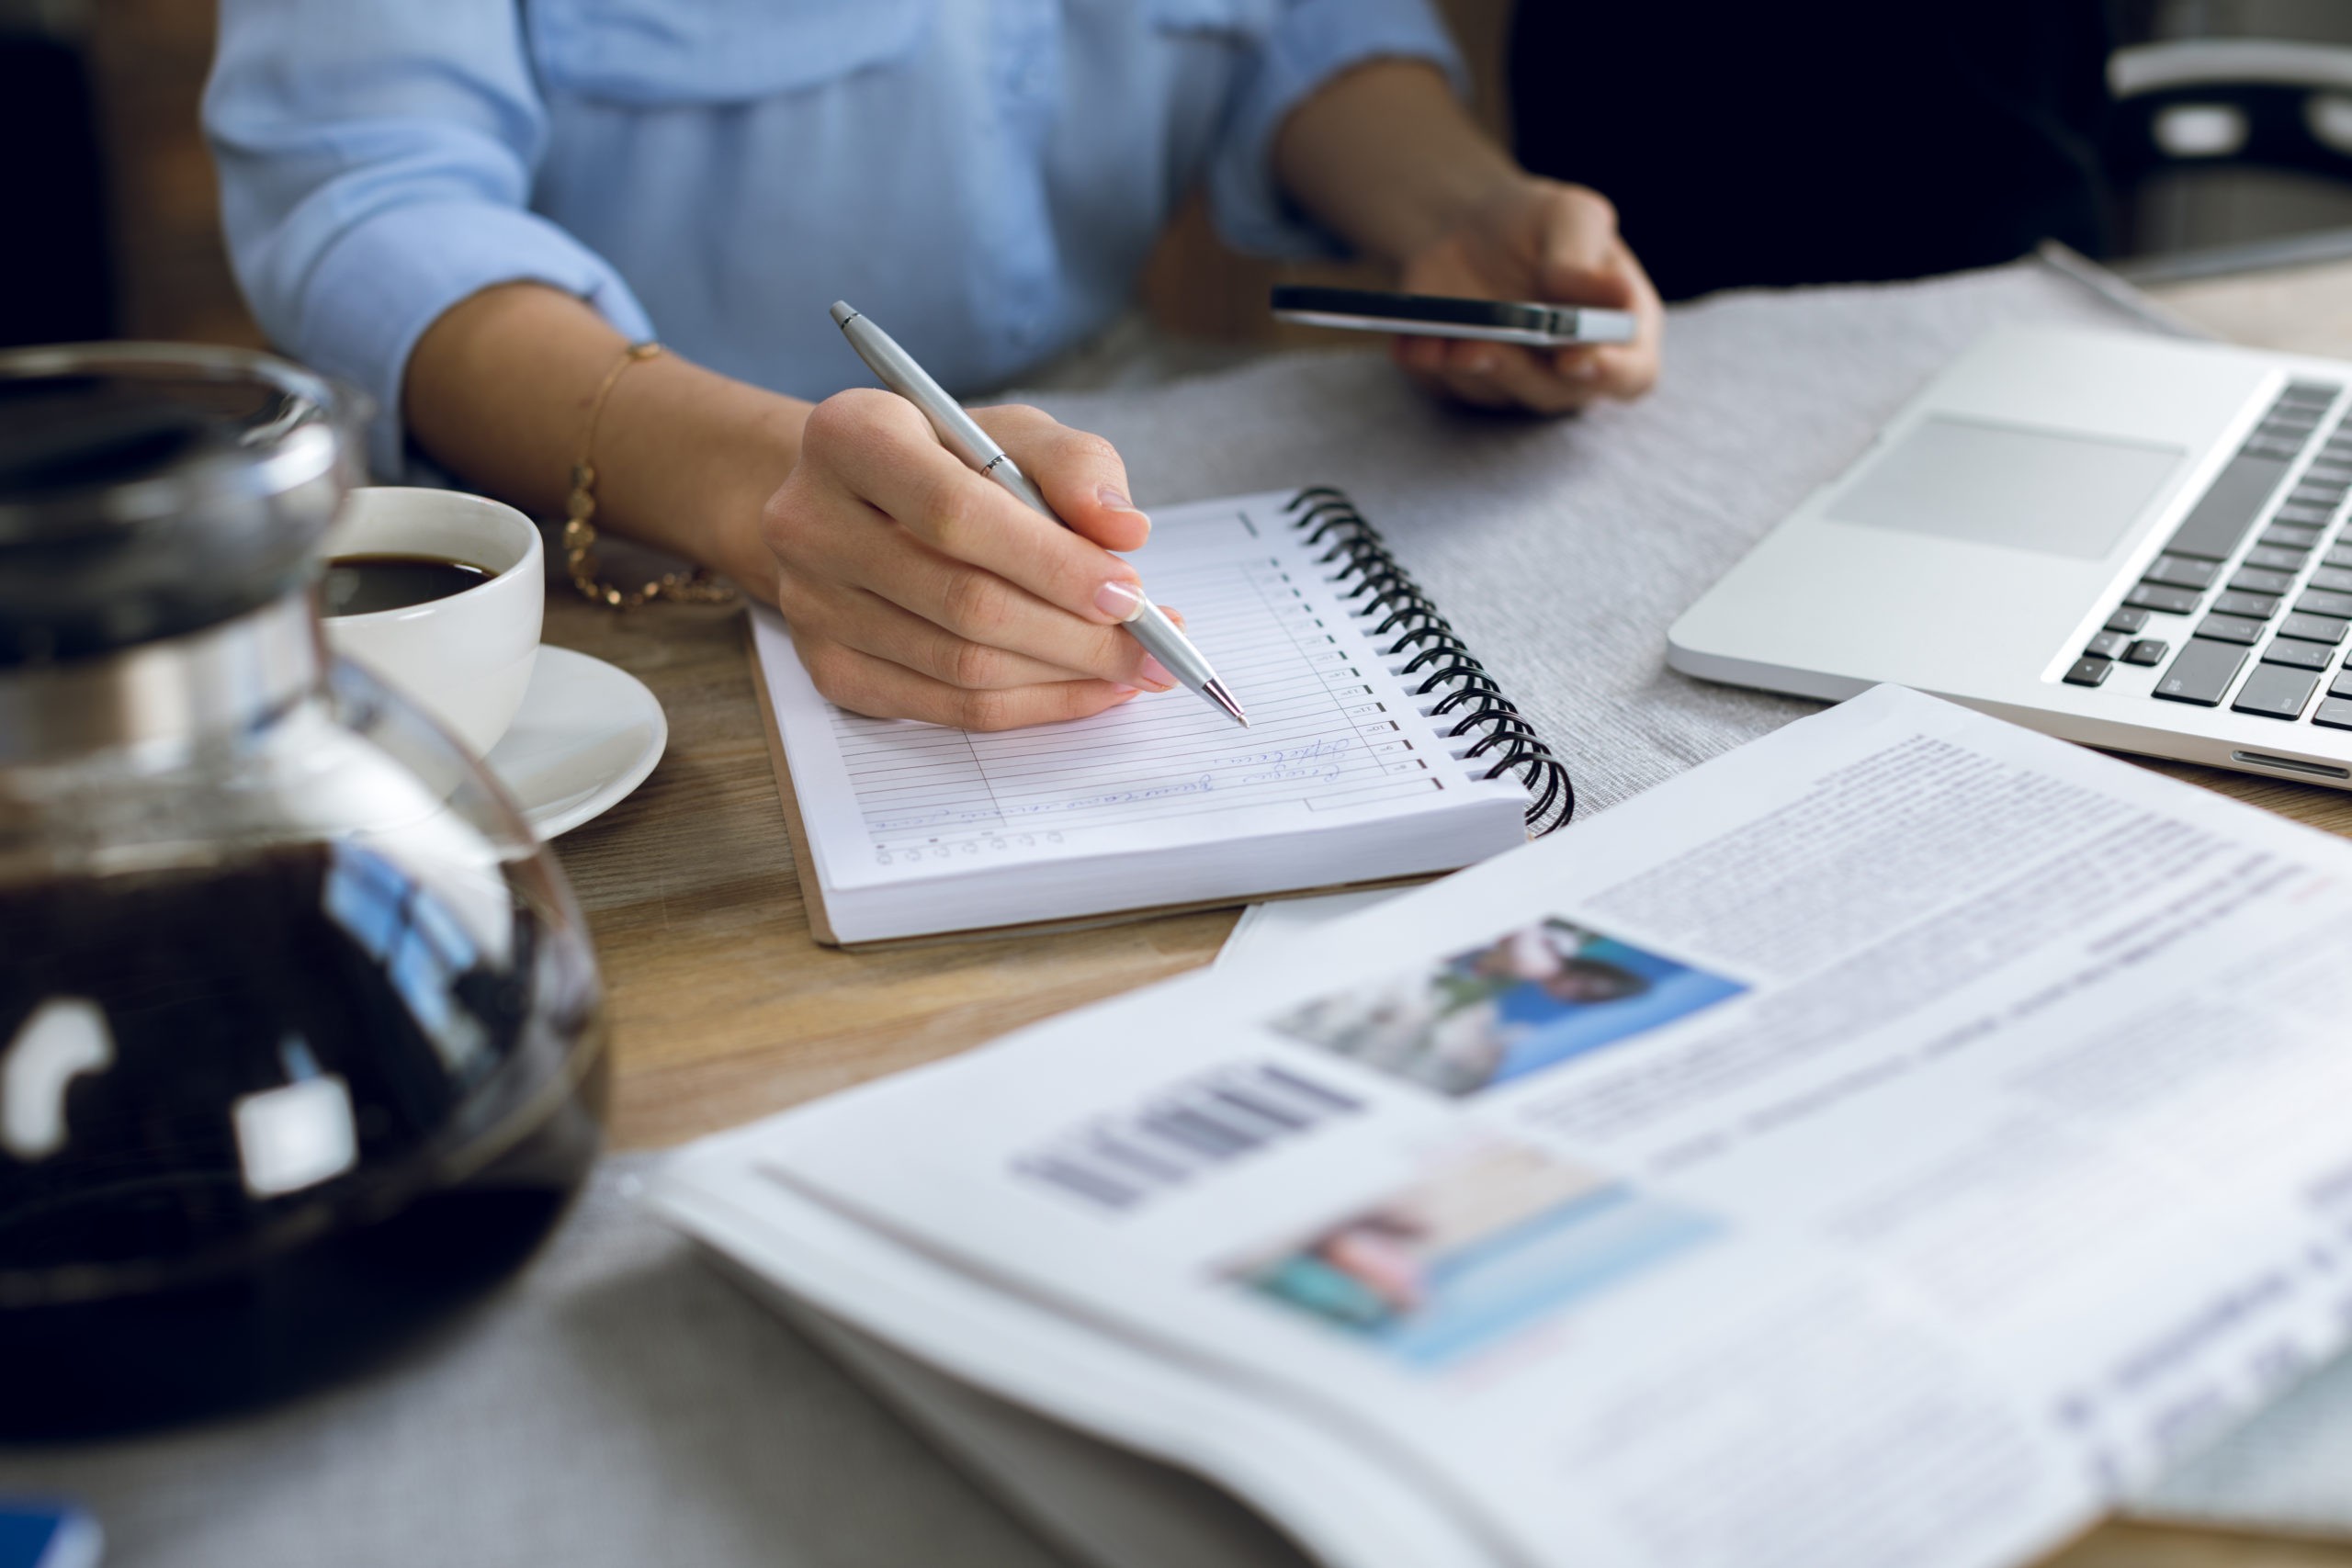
472, 206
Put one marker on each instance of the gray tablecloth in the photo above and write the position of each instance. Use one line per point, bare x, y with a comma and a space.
621, 1404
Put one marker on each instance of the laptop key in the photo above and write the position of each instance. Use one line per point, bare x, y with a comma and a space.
2253, 580
2107, 645
2317, 516
2261, 607
2156, 596
2230, 629
2334, 712
2276, 691
2313, 629
2342, 685
2301, 655
2180, 571
2278, 560
2147, 651
2283, 535
2129, 622
2319, 602
2340, 557
2335, 579
2277, 449
2088, 671
2228, 508
2200, 672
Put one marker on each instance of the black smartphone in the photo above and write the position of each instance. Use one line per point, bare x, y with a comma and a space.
1442, 315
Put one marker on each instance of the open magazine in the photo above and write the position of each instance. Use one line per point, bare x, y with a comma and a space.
1886, 1142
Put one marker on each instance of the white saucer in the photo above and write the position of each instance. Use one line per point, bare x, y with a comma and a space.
586, 735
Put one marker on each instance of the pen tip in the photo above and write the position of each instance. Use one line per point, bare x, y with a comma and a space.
1215, 691
844, 312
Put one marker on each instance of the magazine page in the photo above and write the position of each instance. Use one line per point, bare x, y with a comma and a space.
1880, 1142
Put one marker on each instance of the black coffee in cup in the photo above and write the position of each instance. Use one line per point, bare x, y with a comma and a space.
361, 585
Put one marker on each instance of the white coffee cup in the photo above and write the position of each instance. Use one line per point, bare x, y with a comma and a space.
467, 658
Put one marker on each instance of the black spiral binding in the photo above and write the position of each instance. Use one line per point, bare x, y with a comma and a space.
1417, 640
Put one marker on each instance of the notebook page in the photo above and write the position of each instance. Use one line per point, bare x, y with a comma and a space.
1333, 736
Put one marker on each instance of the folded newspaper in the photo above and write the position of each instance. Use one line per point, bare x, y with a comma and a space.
1888, 1143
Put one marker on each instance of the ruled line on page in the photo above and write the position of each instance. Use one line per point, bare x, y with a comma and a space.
1319, 732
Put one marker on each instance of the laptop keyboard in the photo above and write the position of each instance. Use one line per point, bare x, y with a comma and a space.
2258, 625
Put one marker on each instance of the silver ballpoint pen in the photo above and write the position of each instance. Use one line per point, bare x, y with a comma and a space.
963, 435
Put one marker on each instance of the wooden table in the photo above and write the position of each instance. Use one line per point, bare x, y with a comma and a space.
724, 1009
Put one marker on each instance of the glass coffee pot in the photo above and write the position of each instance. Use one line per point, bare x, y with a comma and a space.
301, 1032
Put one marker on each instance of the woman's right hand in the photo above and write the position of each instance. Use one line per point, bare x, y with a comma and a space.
916, 588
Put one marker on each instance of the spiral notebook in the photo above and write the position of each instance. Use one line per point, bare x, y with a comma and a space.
1378, 751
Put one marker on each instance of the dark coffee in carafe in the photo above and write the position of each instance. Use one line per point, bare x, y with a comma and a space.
300, 1031
407, 1106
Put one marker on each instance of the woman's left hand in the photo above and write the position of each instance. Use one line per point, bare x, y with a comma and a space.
1536, 239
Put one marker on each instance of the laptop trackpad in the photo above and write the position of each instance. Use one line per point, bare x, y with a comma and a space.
1999, 484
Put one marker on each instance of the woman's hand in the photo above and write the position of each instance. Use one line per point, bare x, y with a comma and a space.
918, 589
1536, 239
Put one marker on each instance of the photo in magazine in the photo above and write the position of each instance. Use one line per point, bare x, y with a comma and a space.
1493, 1239
1531, 999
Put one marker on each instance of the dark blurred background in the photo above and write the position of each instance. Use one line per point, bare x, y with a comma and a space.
1819, 142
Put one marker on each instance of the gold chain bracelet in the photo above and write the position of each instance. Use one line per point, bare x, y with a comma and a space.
696, 587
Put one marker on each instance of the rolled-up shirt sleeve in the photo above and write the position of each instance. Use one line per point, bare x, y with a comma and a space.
1310, 42
376, 163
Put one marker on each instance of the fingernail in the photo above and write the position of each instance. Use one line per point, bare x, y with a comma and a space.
1483, 364
1116, 500
1120, 600
1155, 676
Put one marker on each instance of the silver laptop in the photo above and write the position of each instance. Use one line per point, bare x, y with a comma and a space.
2129, 541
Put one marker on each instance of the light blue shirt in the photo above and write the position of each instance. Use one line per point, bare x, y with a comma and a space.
985, 177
